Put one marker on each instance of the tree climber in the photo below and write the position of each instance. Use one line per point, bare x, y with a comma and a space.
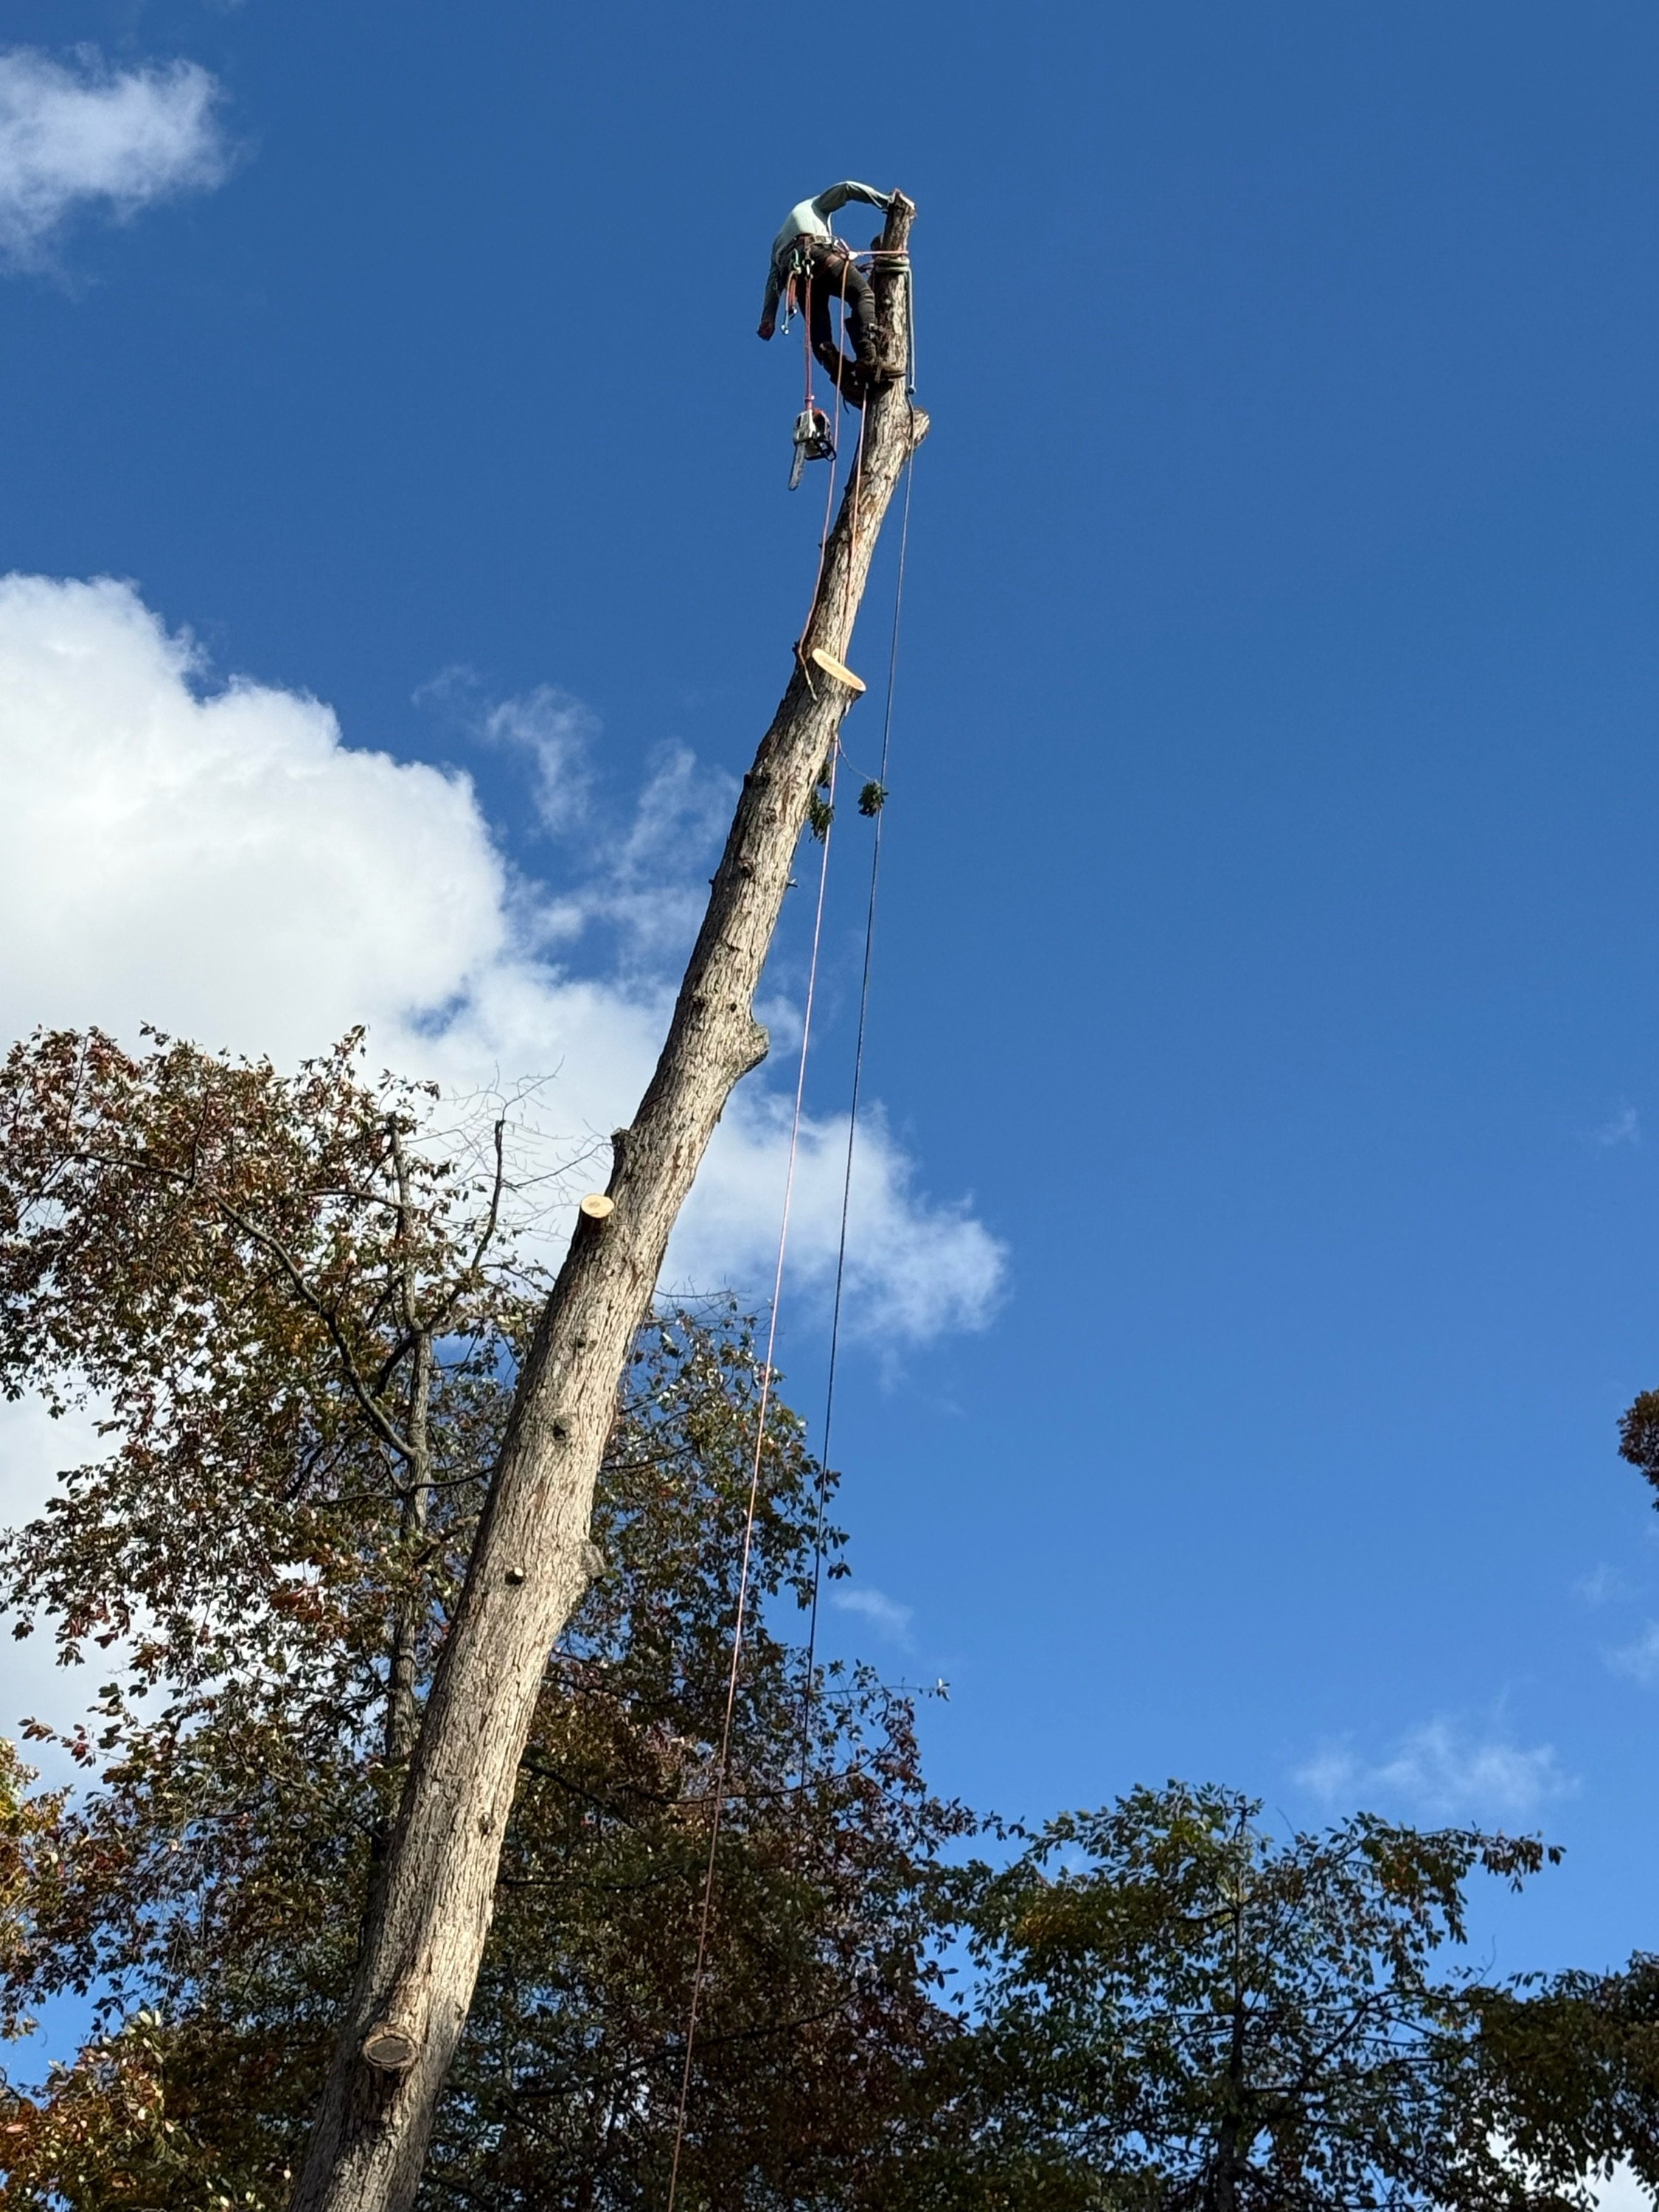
810, 264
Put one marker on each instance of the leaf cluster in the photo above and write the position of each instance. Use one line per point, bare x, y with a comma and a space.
1178, 2012
1571, 2073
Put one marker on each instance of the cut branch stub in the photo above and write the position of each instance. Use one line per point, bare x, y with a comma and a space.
390, 2047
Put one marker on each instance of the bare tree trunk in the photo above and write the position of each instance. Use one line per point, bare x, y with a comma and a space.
529, 1563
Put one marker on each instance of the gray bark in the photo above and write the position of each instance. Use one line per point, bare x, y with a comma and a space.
530, 1560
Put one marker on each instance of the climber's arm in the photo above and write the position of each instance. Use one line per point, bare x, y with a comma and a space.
838, 196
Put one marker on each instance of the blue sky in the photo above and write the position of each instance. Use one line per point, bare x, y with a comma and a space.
1260, 1253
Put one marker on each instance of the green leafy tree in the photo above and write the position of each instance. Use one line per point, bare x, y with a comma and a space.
1571, 2071
1638, 1437
299, 1312
1574, 2058
297, 1309
1179, 2013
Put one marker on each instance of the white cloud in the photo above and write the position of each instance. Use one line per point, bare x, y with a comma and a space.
648, 889
1623, 1128
884, 1614
219, 862
79, 133
1439, 1772
642, 884
1603, 1585
223, 866
913, 1268
1640, 1658
554, 730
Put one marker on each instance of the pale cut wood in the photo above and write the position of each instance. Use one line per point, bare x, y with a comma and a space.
838, 669
531, 1558
596, 1206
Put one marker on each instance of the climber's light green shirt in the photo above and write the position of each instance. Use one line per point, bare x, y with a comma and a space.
810, 219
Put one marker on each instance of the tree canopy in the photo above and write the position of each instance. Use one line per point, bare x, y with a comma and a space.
297, 1305
1177, 2011
300, 1320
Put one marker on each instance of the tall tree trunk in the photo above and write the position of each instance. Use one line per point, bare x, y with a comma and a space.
529, 1563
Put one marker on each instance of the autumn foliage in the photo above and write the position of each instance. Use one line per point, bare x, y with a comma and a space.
295, 1307
298, 1312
